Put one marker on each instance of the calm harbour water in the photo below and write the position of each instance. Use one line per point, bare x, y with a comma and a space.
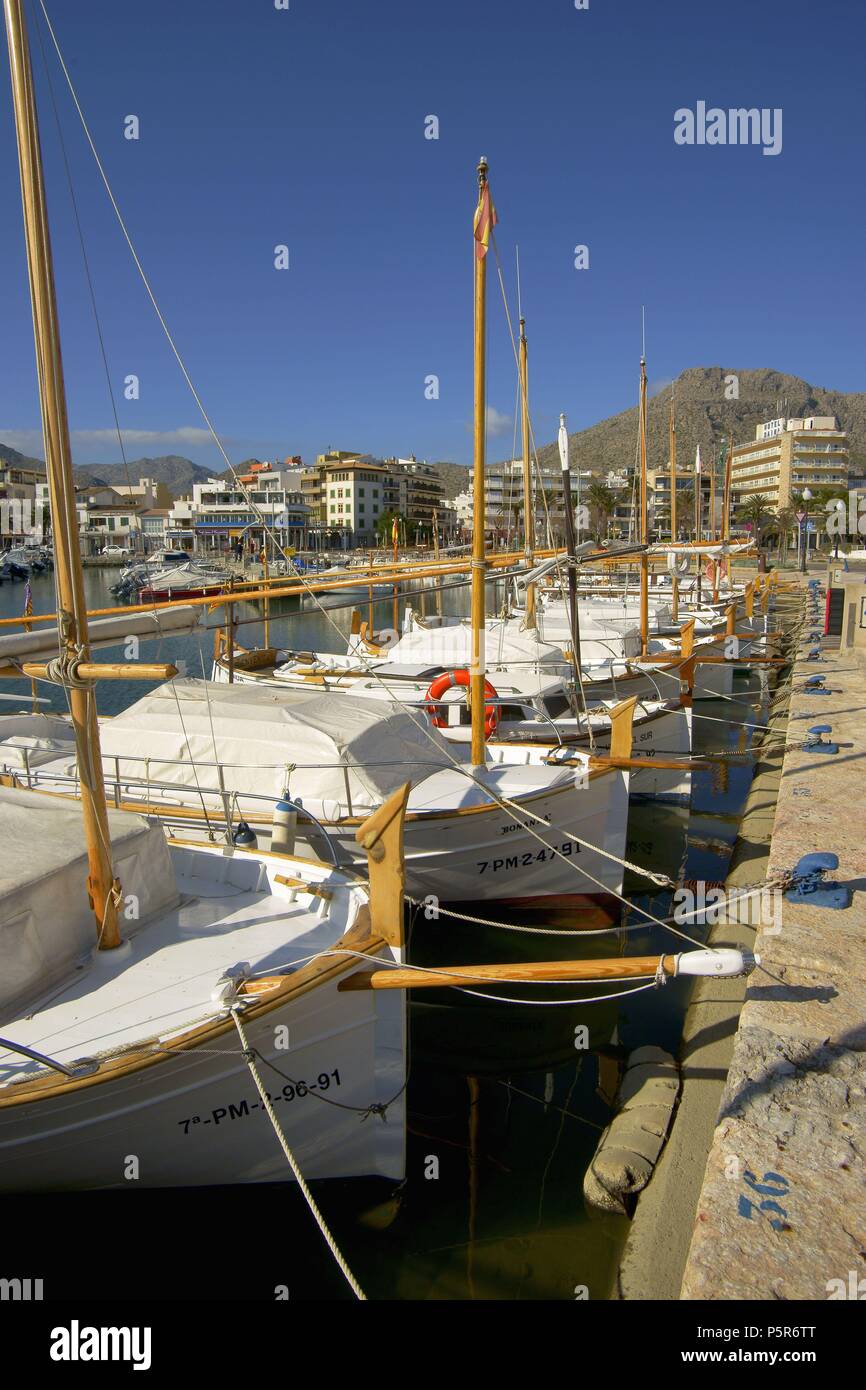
505, 1218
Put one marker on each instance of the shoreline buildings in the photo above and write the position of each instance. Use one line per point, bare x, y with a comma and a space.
788, 455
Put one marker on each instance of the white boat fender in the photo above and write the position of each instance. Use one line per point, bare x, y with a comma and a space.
629, 1148
285, 826
678, 564
724, 962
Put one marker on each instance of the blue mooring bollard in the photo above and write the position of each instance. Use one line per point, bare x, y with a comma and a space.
808, 886
815, 685
814, 741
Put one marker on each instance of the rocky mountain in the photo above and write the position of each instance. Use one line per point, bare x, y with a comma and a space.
711, 403
707, 410
10, 455
455, 478
177, 473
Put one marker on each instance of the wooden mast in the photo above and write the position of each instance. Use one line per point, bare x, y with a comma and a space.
699, 513
479, 565
528, 509
675, 582
726, 504
571, 551
103, 887
644, 522
438, 588
726, 500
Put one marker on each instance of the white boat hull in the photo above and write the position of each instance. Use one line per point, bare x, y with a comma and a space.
196, 1120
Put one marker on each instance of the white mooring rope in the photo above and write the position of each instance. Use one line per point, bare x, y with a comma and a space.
293, 1162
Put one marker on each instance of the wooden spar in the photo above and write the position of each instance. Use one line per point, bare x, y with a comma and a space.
571, 548
103, 887
644, 519
675, 582
528, 509
635, 764
480, 411
534, 972
386, 572
699, 514
97, 671
395, 537
726, 499
437, 588
267, 601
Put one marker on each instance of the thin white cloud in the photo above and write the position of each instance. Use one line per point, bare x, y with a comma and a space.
497, 423
188, 437
25, 441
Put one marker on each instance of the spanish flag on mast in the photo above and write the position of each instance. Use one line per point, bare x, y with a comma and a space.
395, 533
485, 221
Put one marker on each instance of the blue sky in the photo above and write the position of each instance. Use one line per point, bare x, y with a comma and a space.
306, 127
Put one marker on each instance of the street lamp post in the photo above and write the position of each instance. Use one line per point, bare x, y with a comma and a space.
804, 530
840, 521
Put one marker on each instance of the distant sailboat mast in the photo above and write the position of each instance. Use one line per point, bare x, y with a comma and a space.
675, 583
643, 536
485, 217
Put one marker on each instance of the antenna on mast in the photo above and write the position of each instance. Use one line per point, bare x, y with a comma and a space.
517, 255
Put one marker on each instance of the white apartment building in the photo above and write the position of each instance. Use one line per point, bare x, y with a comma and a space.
788, 455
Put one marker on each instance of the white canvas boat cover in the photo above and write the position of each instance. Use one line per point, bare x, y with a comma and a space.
339, 754
46, 923
451, 646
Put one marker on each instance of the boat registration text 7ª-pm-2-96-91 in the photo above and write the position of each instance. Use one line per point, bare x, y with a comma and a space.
293, 1090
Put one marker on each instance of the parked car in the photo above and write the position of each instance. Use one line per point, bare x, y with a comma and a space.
116, 550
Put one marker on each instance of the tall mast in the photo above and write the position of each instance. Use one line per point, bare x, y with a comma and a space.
103, 887
699, 514
528, 509
726, 501
484, 219
644, 520
675, 583
571, 551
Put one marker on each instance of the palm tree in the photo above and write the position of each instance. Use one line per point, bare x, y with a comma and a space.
756, 510
782, 524
602, 502
820, 502
685, 509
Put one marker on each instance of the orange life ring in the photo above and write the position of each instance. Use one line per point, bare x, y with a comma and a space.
437, 689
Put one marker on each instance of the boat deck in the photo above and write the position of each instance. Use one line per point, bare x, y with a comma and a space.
230, 911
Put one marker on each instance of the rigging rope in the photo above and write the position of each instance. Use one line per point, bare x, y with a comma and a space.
293, 1162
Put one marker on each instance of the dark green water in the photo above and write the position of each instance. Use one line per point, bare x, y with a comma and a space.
503, 1217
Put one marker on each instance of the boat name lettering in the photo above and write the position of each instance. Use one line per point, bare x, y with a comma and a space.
520, 825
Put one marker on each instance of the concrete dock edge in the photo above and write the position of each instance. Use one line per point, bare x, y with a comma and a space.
657, 1248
